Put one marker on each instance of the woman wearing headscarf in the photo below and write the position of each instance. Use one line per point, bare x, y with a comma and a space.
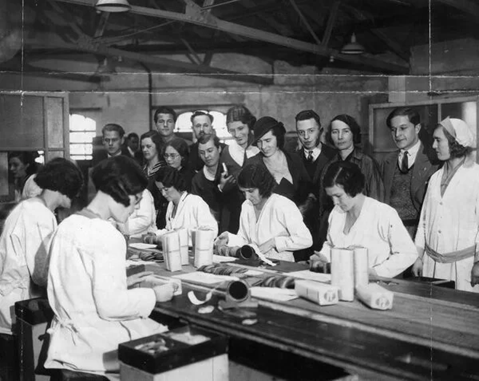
448, 232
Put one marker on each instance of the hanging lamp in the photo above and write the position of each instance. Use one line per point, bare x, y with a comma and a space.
353, 47
113, 5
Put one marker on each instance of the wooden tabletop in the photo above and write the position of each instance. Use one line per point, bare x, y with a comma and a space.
430, 333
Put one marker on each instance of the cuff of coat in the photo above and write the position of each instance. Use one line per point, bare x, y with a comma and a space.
148, 300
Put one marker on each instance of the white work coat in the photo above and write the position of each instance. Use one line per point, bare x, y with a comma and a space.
192, 213
24, 256
450, 223
143, 218
87, 290
280, 219
380, 230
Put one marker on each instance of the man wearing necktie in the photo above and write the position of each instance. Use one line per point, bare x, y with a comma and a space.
315, 155
406, 172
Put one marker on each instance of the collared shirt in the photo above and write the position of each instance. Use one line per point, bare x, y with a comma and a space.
238, 153
316, 152
412, 154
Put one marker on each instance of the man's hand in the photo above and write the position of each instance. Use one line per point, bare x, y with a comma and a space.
417, 268
135, 279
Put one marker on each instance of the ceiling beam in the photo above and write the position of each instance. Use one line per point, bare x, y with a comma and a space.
194, 15
174, 66
305, 22
467, 6
333, 14
392, 45
277, 26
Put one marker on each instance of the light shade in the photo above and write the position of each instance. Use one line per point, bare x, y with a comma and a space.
113, 5
353, 47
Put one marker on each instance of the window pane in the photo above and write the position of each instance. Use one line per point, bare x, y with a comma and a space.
81, 149
82, 137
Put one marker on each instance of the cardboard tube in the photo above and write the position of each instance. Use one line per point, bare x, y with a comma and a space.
342, 272
361, 266
171, 251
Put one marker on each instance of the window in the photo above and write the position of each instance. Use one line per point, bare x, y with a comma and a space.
82, 131
183, 125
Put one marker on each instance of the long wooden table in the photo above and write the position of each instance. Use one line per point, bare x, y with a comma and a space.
431, 333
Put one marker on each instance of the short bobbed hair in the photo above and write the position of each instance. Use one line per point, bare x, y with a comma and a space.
27, 158
345, 174
170, 177
240, 113
353, 125
60, 175
257, 176
155, 138
456, 150
181, 147
412, 115
113, 127
119, 177
164, 110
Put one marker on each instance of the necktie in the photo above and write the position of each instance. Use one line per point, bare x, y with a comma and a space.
405, 162
310, 156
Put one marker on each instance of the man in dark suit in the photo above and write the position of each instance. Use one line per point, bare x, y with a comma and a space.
406, 172
113, 139
315, 155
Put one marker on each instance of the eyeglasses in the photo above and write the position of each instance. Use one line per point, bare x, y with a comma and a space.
172, 156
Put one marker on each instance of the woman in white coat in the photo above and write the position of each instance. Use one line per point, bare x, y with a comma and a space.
185, 210
270, 221
87, 283
27, 234
448, 232
358, 220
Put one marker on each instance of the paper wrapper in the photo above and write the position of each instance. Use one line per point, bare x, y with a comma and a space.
158, 280
319, 293
171, 250
374, 296
202, 241
361, 266
183, 235
342, 272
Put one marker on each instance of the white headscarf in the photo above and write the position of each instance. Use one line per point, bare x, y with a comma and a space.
459, 130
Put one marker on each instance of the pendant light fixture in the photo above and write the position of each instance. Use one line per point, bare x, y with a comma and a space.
113, 5
353, 47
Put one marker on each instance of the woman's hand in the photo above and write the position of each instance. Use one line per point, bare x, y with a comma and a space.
475, 274
417, 268
318, 263
150, 238
267, 246
225, 181
165, 292
135, 279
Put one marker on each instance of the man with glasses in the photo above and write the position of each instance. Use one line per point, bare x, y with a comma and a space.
315, 155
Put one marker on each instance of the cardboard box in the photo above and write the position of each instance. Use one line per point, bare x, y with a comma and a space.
180, 354
319, 293
375, 296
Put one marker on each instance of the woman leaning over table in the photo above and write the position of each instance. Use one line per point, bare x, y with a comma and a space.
185, 210
448, 232
358, 220
270, 221
26, 237
87, 284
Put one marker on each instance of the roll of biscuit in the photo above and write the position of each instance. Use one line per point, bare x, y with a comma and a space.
342, 272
